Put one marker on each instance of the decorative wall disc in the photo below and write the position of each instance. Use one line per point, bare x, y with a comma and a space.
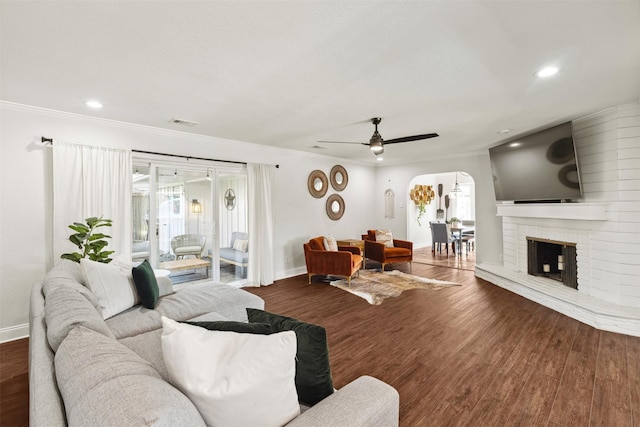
317, 183
335, 207
339, 178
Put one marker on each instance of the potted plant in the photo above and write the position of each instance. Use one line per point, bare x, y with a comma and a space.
422, 209
88, 241
455, 222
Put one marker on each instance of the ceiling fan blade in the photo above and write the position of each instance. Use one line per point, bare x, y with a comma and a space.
411, 138
341, 142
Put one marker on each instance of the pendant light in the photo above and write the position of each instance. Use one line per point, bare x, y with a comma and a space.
456, 188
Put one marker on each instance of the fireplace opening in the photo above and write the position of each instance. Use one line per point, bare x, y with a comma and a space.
552, 259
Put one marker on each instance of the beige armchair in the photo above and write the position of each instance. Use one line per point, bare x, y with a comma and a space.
188, 244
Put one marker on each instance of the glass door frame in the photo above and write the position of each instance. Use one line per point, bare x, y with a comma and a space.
214, 170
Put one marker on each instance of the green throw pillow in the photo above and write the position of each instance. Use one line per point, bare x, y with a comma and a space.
241, 327
146, 284
313, 373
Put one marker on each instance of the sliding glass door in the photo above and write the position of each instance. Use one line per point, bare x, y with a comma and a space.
198, 214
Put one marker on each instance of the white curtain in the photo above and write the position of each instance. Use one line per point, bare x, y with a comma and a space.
89, 182
261, 224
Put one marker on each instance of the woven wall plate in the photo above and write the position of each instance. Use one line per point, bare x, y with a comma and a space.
335, 207
317, 183
339, 178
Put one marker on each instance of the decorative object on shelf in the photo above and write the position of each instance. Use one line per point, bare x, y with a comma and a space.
196, 207
339, 178
456, 188
317, 183
88, 241
230, 199
389, 203
422, 195
335, 207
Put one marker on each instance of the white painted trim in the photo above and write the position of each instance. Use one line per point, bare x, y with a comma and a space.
584, 308
572, 211
290, 272
13, 333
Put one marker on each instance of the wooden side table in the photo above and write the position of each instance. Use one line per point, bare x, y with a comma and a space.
352, 242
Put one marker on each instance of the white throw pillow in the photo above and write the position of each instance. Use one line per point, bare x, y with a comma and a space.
330, 243
385, 237
241, 245
233, 379
112, 285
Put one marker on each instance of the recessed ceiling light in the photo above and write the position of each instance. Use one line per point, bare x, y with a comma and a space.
503, 131
379, 159
93, 104
547, 72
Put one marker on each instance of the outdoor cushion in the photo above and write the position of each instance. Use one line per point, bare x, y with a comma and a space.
233, 255
187, 249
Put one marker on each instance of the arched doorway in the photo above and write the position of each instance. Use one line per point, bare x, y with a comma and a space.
442, 208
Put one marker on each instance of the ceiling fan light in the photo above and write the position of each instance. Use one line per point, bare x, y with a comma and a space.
375, 144
377, 149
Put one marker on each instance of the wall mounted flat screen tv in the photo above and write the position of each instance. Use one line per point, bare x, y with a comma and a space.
538, 167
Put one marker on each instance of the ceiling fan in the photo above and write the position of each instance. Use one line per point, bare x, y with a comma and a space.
376, 143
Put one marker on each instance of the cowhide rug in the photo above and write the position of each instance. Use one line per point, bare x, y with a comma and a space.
375, 287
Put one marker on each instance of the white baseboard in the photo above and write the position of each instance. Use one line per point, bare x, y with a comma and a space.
584, 308
290, 272
14, 333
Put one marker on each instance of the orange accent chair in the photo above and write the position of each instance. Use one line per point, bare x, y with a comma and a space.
345, 262
402, 250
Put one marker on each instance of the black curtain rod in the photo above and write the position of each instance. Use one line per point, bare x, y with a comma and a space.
188, 157
50, 141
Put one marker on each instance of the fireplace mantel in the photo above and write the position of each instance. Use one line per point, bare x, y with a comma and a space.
570, 211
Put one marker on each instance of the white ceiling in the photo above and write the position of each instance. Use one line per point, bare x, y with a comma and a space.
289, 74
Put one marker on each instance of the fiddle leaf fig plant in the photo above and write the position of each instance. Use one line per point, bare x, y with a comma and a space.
90, 242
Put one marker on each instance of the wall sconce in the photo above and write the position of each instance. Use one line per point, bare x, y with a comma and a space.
196, 207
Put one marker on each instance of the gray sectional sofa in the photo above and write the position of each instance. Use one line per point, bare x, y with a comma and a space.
84, 370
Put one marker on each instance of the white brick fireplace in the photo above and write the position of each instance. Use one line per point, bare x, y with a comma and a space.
605, 227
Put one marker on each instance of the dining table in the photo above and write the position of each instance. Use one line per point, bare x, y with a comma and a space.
461, 231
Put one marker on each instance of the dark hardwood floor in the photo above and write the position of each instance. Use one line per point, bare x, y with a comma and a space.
14, 383
473, 355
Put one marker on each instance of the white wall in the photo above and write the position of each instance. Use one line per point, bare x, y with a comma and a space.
608, 147
488, 226
420, 234
26, 194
